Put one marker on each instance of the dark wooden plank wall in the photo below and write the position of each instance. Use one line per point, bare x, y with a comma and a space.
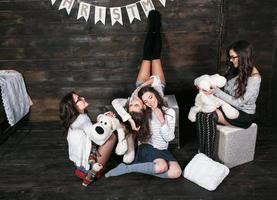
275, 71
256, 22
57, 53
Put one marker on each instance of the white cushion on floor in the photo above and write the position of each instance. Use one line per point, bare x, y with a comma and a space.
205, 172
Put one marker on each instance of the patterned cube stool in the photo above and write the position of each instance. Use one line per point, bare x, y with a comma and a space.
172, 103
236, 145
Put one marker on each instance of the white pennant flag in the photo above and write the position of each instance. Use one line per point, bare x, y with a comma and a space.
53, 1
147, 6
116, 15
132, 11
100, 14
163, 2
84, 10
67, 4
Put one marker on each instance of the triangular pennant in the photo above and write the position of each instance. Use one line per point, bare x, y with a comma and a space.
147, 6
116, 15
67, 4
163, 2
53, 1
100, 14
84, 10
132, 11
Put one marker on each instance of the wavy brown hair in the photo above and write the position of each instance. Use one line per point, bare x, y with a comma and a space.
68, 111
245, 56
142, 120
161, 102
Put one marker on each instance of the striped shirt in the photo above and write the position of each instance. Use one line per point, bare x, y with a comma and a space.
247, 102
162, 135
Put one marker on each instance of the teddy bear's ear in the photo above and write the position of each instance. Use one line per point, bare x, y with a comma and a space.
217, 80
115, 123
99, 117
199, 79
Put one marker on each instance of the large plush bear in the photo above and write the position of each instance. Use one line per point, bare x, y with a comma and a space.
104, 128
101, 132
209, 103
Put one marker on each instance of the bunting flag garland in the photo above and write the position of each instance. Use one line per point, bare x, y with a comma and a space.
100, 14
53, 1
132, 11
115, 12
116, 15
67, 4
163, 2
84, 10
147, 6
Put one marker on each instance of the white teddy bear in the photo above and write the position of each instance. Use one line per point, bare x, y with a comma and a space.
101, 132
104, 128
209, 103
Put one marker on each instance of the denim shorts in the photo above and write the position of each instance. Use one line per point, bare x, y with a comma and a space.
147, 153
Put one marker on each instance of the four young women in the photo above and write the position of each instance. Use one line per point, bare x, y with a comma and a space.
150, 122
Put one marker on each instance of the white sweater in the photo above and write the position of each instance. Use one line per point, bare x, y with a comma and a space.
162, 135
79, 144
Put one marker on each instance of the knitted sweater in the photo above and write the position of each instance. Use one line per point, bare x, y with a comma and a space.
79, 144
247, 102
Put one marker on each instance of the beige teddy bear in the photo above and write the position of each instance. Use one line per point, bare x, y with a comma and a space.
209, 103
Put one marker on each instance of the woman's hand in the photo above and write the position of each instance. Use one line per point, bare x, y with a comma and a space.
159, 115
133, 125
110, 114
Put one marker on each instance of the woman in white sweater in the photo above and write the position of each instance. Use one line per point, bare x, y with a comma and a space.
77, 126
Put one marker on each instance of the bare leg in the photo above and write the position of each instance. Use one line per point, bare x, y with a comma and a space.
144, 72
105, 150
221, 118
160, 165
174, 170
157, 69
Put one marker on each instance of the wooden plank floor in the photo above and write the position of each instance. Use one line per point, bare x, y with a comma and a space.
34, 165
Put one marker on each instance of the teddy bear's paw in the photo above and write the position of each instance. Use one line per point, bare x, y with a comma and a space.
192, 117
121, 147
128, 158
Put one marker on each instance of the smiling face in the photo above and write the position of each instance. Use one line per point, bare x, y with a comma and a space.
234, 58
150, 100
80, 103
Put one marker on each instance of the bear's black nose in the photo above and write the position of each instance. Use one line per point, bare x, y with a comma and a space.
99, 130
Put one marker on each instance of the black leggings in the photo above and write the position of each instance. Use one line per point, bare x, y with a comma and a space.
206, 132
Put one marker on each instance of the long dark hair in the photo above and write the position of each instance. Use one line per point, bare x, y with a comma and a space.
245, 56
68, 110
161, 102
142, 120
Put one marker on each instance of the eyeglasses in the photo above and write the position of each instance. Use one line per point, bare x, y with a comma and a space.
233, 57
80, 98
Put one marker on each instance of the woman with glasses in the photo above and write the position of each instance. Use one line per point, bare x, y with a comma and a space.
78, 125
241, 91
